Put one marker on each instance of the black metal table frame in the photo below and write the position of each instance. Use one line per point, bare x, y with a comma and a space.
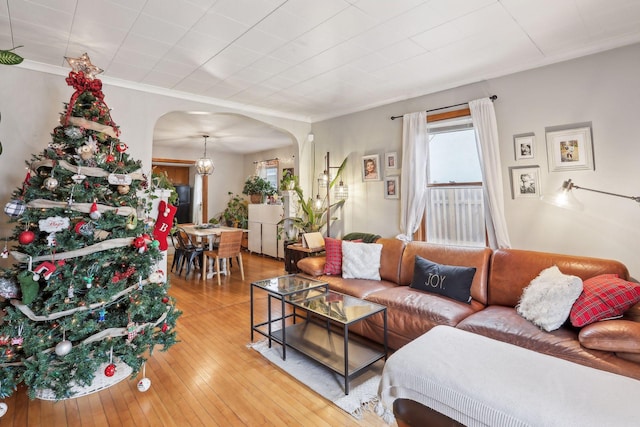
345, 332
283, 301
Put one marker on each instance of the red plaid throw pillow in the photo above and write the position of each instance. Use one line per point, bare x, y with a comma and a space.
603, 297
333, 250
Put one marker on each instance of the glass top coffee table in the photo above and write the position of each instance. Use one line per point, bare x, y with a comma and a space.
285, 289
324, 335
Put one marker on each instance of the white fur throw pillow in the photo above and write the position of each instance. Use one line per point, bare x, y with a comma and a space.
361, 260
548, 299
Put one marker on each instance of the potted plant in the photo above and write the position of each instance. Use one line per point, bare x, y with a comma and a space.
310, 218
256, 188
236, 214
288, 182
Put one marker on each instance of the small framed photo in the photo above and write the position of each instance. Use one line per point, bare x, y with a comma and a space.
569, 149
524, 146
371, 168
525, 181
391, 160
392, 187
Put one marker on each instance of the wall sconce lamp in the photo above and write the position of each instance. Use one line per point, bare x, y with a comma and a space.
204, 165
565, 198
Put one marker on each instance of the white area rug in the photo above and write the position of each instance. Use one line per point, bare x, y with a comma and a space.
363, 389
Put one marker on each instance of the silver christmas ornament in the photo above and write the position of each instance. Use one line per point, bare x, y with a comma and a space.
8, 289
51, 183
63, 347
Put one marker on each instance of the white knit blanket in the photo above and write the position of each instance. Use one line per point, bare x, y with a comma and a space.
479, 381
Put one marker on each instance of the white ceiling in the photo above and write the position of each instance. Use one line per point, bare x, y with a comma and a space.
314, 59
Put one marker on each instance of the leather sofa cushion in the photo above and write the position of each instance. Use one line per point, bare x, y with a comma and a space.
450, 255
633, 357
504, 324
313, 265
414, 312
511, 270
612, 335
358, 288
633, 313
390, 259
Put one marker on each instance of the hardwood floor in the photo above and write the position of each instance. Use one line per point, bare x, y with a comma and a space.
210, 378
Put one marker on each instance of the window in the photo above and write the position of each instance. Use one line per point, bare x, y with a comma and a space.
271, 175
455, 202
268, 170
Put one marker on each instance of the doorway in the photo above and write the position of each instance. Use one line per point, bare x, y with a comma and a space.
179, 172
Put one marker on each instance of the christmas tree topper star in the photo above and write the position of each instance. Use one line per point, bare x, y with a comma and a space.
83, 64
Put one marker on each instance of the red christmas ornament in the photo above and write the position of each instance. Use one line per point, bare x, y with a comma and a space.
140, 243
122, 147
165, 327
94, 213
165, 300
26, 237
110, 370
110, 158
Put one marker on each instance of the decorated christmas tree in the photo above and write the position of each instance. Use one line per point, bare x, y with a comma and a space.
85, 302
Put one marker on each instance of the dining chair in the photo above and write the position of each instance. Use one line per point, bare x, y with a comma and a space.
229, 246
190, 251
178, 251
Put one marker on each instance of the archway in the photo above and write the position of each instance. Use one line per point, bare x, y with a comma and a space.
235, 142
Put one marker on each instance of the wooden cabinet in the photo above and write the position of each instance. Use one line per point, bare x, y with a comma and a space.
263, 229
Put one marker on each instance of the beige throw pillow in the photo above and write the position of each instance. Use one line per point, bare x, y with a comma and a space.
547, 301
361, 260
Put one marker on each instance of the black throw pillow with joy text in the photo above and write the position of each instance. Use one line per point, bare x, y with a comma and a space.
448, 280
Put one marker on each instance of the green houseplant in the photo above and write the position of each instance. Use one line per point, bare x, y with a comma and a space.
257, 187
236, 214
311, 218
288, 182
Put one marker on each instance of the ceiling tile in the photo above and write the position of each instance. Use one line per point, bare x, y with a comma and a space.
248, 12
220, 27
151, 27
104, 13
260, 41
161, 79
181, 14
383, 10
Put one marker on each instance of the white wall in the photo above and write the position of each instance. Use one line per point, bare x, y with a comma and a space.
602, 89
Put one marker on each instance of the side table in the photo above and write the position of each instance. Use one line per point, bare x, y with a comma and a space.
294, 252
285, 289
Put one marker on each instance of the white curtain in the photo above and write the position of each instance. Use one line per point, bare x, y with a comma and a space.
486, 128
413, 183
197, 200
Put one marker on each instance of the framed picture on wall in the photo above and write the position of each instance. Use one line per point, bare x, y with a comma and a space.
525, 181
287, 172
524, 146
391, 160
371, 168
391, 187
569, 149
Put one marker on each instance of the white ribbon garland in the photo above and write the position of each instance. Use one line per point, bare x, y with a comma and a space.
39, 318
80, 207
88, 124
98, 247
95, 172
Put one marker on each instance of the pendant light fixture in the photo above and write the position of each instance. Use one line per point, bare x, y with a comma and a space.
204, 165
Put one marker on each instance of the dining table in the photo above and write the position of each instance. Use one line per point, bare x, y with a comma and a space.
209, 232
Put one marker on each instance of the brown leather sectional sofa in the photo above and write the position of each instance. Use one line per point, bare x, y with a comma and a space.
500, 278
